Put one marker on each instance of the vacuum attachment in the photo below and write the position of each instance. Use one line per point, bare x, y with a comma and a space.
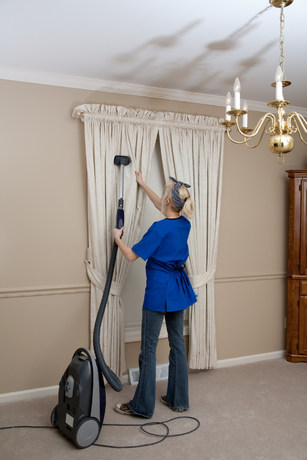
122, 161
81, 405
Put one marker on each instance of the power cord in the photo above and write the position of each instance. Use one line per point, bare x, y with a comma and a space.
142, 426
162, 436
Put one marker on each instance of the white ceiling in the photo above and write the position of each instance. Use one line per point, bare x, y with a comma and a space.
190, 45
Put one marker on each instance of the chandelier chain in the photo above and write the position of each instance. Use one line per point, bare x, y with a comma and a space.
281, 40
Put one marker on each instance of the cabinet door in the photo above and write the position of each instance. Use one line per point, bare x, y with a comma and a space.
303, 242
302, 333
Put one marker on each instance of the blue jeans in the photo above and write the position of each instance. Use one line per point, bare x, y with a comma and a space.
177, 397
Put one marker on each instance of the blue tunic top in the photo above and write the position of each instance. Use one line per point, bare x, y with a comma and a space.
165, 245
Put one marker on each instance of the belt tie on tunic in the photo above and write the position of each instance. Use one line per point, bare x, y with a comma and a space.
184, 279
183, 276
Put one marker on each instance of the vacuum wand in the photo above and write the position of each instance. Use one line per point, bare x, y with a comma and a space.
110, 376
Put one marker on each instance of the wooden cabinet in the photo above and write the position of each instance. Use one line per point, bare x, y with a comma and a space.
297, 268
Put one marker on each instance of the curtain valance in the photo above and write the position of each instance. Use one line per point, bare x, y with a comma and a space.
121, 114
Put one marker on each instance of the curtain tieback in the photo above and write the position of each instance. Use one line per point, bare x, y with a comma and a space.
200, 280
99, 280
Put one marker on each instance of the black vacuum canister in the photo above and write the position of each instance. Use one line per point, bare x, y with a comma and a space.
81, 405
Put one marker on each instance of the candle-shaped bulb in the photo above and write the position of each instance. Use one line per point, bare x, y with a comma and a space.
228, 106
278, 79
237, 86
228, 98
237, 89
278, 74
245, 116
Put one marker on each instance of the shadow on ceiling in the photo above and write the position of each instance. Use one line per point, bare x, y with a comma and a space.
176, 74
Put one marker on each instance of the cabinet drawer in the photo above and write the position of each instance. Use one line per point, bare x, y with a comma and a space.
303, 288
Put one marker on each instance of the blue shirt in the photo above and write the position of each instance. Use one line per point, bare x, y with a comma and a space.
165, 247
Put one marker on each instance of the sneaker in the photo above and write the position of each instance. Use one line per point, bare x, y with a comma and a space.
123, 409
163, 400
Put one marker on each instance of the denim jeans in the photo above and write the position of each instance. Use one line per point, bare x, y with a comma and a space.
177, 397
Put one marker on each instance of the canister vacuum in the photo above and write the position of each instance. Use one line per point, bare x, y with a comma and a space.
81, 404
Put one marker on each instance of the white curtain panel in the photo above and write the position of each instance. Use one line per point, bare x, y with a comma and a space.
192, 150
111, 131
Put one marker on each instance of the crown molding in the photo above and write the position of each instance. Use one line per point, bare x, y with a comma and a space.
93, 84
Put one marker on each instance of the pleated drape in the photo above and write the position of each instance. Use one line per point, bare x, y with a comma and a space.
194, 154
192, 149
108, 133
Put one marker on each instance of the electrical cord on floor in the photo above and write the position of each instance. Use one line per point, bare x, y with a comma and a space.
162, 436
141, 425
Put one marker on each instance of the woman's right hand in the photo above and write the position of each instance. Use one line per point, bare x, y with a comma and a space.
118, 232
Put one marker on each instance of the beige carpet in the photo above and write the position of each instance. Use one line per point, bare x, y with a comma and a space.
250, 412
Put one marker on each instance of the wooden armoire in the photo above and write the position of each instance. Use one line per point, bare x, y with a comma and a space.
297, 268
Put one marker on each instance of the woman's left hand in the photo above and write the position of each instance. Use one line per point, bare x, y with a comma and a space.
118, 232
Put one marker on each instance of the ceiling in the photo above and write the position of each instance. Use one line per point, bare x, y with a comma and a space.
190, 45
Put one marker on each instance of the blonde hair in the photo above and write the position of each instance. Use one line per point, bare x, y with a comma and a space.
188, 205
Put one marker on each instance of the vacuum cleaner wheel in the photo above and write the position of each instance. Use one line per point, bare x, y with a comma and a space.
54, 417
87, 432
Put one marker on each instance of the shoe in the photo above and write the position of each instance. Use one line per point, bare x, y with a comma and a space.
123, 409
163, 400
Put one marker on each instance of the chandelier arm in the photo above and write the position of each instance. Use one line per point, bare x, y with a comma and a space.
299, 132
256, 145
235, 142
256, 130
246, 140
300, 118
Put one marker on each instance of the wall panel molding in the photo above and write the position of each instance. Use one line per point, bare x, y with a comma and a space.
34, 291
44, 291
243, 279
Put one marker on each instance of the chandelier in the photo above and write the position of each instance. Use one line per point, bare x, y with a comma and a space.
279, 127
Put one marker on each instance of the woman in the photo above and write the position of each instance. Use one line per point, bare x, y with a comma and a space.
168, 293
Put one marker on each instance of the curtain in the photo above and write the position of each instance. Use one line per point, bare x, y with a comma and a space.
192, 151
110, 131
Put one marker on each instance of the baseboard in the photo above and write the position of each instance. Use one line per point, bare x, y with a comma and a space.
29, 394
53, 391
251, 359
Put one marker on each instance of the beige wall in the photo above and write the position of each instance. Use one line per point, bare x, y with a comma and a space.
44, 291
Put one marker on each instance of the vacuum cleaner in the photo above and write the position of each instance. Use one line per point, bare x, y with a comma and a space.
81, 404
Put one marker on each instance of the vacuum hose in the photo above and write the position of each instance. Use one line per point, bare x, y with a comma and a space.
111, 378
